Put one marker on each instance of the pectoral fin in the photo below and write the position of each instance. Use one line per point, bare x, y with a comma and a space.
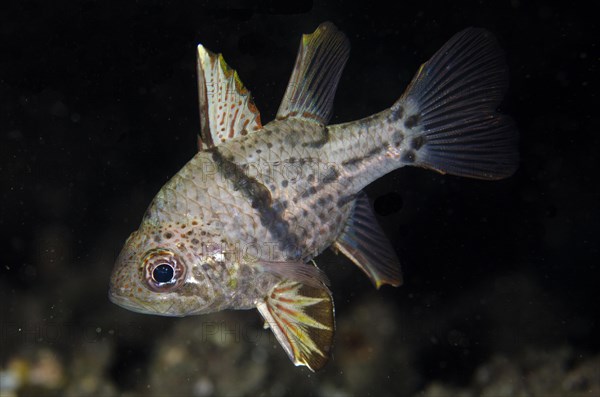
365, 244
302, 319
305, 273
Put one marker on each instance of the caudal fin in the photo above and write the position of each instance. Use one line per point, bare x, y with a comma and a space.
449, 111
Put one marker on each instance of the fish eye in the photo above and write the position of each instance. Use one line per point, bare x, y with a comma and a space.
163, 273
163, 270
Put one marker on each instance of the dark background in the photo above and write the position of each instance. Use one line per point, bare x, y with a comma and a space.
99, 109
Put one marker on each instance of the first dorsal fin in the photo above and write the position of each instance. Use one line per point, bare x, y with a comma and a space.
226, 106
321, 59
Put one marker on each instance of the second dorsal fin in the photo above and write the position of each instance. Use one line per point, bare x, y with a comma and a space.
319, 65
226, 106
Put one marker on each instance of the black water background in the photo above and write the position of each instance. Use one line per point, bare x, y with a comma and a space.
99, 108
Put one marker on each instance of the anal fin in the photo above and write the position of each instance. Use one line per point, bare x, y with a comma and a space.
302, 319
365, 244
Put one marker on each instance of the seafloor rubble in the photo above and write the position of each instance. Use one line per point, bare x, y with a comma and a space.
381, 349
558, 372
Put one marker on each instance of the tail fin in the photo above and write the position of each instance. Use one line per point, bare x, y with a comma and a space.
449, 110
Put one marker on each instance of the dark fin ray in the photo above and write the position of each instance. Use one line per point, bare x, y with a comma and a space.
453, 100
365, 244
302, 319
319, 65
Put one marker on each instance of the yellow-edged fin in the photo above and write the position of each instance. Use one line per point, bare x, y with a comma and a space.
364, 243
226, 106
302, 319
319, 65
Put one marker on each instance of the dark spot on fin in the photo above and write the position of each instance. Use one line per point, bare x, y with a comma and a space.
408, 156
411, 121
417, 142
484, 143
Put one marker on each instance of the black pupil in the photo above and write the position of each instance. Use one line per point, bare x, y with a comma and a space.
163, 273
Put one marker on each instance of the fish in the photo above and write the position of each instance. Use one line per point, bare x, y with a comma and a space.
240, 225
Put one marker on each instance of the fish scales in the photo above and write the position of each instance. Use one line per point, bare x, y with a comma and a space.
239, 225
304, 180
